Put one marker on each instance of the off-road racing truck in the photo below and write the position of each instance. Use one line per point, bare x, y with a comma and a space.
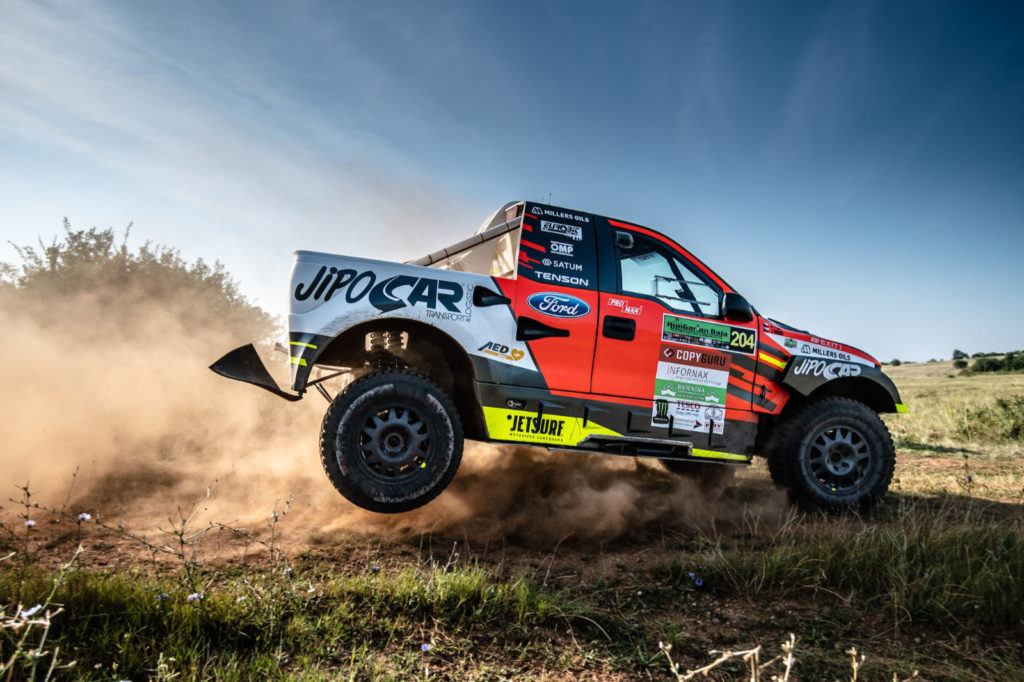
571, 331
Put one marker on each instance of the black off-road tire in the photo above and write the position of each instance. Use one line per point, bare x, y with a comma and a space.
391, 441
834, 455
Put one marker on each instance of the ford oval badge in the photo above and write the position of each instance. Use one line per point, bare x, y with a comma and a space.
558, 305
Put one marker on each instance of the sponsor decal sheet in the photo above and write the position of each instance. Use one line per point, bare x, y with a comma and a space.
692, 379
690, 387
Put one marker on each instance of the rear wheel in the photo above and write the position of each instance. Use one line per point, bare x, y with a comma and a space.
391, 442
834, 455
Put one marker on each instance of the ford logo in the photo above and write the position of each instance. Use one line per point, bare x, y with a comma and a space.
558, 305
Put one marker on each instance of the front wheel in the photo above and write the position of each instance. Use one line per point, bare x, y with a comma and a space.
834, 455
391, 442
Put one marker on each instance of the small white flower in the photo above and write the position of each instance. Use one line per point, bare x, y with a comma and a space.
311, 590
84, 517
240, 599
194, 596
639, 593
287, 570
28, 613
30, 523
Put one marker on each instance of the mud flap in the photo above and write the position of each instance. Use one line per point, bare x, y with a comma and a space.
244, 364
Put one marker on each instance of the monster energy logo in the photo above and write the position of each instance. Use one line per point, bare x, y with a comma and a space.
661, 412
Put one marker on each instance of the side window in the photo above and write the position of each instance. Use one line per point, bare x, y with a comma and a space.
650, 269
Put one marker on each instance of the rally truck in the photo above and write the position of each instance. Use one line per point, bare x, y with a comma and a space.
567, 330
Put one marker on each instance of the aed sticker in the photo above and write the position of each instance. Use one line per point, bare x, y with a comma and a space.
689, 416
692, 332
502, 352
528, 427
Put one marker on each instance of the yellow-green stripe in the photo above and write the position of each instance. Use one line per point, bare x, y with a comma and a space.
710, 454
305, 345
771, 360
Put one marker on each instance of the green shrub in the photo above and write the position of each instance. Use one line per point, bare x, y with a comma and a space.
89, 268
987, 364
1002, 420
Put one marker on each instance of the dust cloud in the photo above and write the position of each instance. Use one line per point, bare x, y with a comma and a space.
114, 384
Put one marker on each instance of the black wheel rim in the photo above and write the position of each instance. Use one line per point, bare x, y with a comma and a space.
837, 459
394, 443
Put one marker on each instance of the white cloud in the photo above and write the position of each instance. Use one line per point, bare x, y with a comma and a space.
80, 80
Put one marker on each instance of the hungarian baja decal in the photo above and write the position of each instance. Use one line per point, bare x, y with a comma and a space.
708, 334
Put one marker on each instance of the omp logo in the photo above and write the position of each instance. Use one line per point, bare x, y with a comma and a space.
502, 351
573, 232
386, 295
558, 305
562, 249
826, 370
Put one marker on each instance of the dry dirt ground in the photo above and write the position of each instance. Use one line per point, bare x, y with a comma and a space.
604, 527
611, 543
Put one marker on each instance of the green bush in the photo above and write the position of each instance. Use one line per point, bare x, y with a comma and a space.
987, 364
1002, 420
88, 270
960, 363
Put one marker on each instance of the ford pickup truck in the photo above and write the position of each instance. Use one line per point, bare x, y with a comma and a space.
568, 330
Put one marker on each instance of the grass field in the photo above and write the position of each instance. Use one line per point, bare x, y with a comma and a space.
930, 582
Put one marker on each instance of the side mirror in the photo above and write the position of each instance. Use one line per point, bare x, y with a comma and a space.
735, 308
623, 240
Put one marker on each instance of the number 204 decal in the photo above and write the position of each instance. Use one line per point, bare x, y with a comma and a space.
742, 340
692, 332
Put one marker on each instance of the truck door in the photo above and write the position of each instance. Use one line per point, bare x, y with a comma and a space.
662, 341
555, 300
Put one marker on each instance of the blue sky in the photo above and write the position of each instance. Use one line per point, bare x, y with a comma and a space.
856, 169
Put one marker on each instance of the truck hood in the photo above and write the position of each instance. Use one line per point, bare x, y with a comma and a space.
801, 342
